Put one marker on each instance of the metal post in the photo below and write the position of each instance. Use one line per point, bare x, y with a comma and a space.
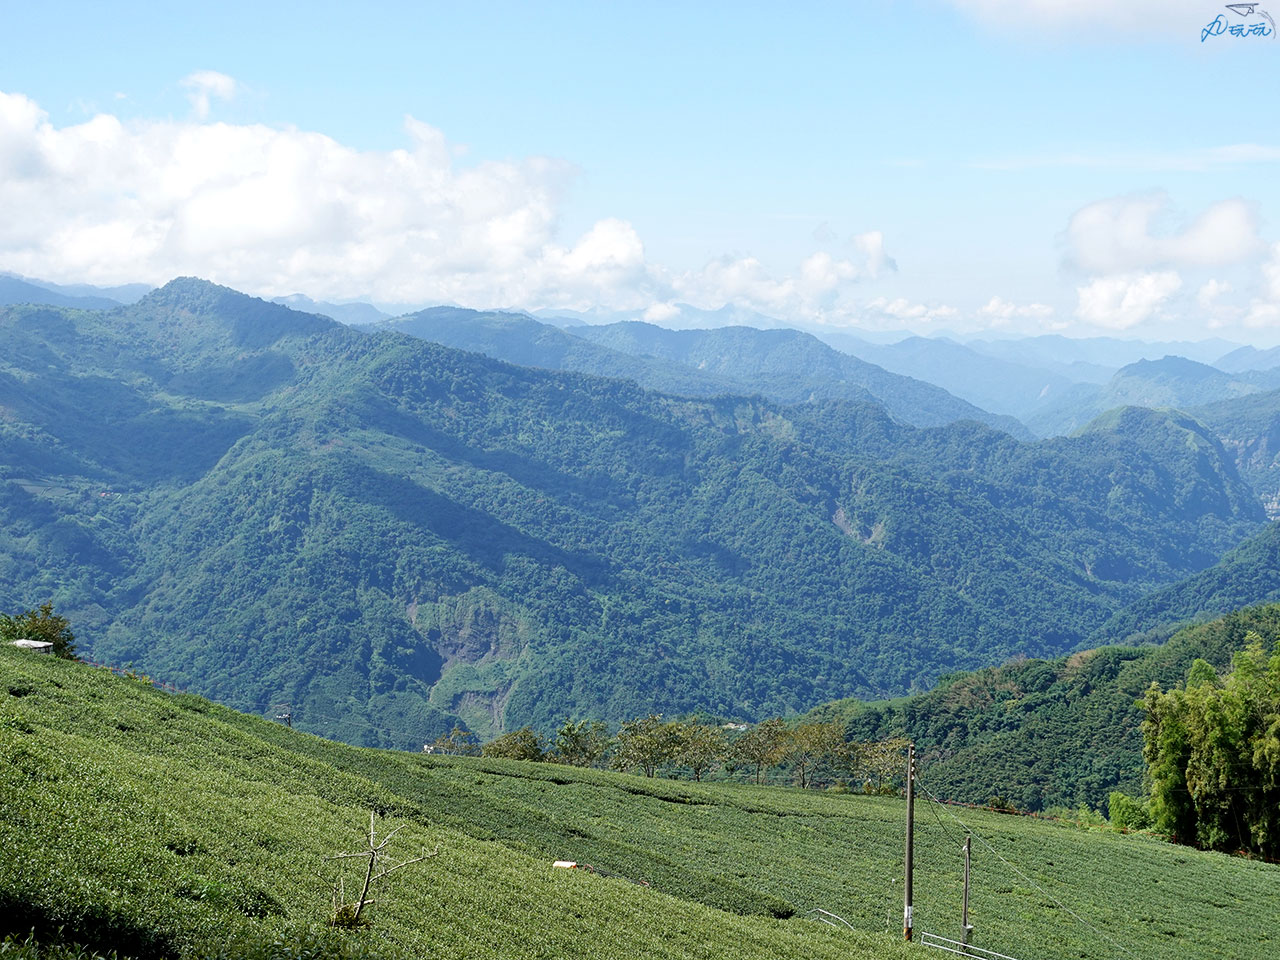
911, 810
966, 929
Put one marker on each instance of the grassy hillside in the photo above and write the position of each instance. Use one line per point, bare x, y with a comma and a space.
266, 507
1040, 734
159, 825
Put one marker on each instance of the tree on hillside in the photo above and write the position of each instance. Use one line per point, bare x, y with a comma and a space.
42, 624
699, 746
459, 742
810, 745
1212, 749
522, 744
581, 744
761, 746
878, 762
646, 743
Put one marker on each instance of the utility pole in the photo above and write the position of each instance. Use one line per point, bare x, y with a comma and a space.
911, 839
966, 929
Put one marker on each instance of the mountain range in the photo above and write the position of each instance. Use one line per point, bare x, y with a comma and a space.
787, 366
390, 535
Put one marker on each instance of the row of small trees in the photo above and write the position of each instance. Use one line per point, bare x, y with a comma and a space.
809, 751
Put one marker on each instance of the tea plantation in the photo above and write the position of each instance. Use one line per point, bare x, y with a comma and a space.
161, 825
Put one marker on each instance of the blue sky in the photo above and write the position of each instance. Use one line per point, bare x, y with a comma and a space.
974, 165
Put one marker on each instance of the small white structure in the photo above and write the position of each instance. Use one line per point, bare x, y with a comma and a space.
35, 646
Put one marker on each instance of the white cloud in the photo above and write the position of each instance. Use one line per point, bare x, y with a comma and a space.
820, 289
277, 211
1145, 16
894, 313
205, 84
1271, 275
660, 313
1003, 312
870, 247
1125, 300
1209, 293
1264, 309
1123, 234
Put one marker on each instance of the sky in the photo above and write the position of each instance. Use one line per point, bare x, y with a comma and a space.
970, 166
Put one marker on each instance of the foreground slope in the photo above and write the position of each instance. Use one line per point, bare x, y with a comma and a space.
386, 534
156, 824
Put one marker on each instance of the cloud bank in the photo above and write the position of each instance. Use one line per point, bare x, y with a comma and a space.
276, 211
1135, 248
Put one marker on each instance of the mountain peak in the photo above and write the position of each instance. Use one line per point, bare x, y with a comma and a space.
250, 321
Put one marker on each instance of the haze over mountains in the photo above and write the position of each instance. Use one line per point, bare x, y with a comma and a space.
391, 534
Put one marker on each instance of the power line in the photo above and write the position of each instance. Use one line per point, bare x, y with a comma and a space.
1062, 906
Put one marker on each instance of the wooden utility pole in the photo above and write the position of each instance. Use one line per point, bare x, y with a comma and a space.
966, 930
911, 839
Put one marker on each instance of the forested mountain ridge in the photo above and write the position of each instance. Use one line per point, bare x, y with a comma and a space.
783, 365
1249, 428
1043, 733
385, 533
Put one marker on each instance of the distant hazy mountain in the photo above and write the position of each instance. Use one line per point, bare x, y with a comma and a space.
680, 316
1001, 386
783, 365
793, 367
13, 290
120, 294
354, 313
1169, 382
1096, 354
1249, 358
518, 338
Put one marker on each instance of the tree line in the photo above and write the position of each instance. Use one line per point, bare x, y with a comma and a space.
810, 754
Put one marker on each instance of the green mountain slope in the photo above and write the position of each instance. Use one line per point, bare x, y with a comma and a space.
160, 825
1040, 734
387, 534
1247, 575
